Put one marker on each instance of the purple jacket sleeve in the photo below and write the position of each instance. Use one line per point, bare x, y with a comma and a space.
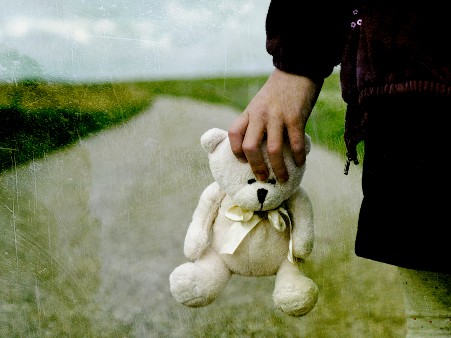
307, 37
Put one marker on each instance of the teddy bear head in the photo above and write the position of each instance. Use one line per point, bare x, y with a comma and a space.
239, 182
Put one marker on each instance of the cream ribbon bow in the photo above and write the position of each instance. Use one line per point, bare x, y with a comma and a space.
246, 220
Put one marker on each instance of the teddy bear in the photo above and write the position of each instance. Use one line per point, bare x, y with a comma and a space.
248, 227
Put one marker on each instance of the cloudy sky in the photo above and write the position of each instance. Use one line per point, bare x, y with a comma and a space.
98, 40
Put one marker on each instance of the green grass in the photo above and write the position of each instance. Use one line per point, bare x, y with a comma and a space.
38, 117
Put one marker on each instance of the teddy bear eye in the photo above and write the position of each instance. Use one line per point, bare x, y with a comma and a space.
252, 180
272, 181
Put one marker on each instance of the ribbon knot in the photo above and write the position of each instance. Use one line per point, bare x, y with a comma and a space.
246, 220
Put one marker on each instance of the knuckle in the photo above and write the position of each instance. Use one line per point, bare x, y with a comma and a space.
250, 148
273, 149
236, 148
234, 133
296, 147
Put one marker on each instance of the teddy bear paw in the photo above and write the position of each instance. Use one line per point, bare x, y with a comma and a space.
296, 299
187, 288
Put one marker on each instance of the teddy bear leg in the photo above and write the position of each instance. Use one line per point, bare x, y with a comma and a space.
199, 283
294, 293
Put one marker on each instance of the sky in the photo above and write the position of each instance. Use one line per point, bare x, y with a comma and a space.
109, 40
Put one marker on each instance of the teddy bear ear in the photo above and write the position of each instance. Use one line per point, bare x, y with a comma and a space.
308, 143
211, 138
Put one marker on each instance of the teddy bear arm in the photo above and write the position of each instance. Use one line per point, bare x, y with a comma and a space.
301, 211
198, 234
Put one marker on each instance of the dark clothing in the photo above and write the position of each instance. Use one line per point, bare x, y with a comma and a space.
384, 48
391, 51
305, 39
396, 80
406, 183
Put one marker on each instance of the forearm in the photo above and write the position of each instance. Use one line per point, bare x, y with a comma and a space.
306, 40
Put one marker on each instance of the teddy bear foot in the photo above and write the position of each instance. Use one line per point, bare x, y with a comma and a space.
188, 288
298, 298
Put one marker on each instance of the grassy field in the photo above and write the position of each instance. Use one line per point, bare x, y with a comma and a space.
40, 117
92, 226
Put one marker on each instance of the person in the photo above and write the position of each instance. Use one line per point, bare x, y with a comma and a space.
395, 72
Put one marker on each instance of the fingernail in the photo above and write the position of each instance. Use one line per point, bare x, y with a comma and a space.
299, 162
282, 179
261, 177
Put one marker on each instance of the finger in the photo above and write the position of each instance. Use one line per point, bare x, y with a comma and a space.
296, 138
274, 146
252, 148
236, 133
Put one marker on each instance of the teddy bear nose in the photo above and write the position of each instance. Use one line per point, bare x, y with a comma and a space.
261, 194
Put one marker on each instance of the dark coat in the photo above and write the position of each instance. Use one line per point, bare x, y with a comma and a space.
384, 49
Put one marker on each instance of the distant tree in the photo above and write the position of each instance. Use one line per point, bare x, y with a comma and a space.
15, 67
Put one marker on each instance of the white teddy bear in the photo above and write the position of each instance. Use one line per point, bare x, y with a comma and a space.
250, 228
